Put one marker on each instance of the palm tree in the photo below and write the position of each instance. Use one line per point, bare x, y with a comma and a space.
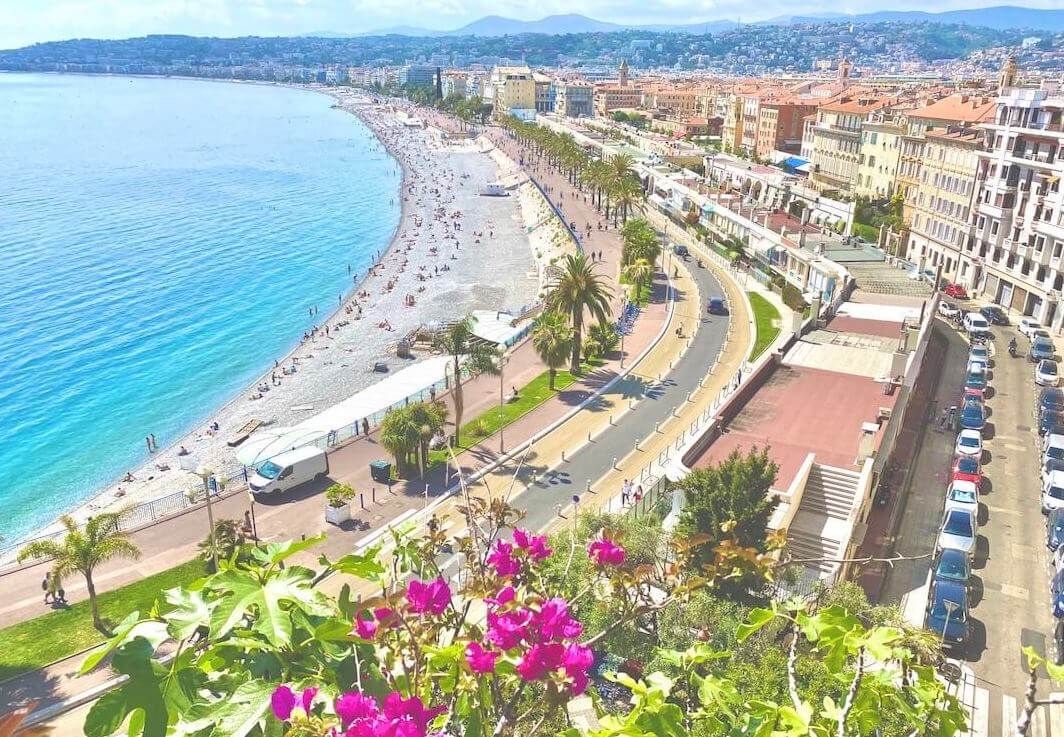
638, 273
552, 338
602, 339
579, 289
400, 435
430, 419
82, 550
627, 192
458, 341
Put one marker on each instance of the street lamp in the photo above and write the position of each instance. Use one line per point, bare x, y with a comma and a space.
205, 474
254, 525
503, 359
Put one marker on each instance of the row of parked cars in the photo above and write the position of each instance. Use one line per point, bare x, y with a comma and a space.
947, 612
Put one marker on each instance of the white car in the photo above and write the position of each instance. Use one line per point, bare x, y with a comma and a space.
957, 531
975, 324
1028, 325
978, 365
1053, 492
969, 443
1045, 373
963, 495
979, 353
948, 309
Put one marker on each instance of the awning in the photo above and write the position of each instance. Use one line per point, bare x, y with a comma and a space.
496, 327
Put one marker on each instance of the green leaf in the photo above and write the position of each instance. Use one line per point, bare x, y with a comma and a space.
665, 722
757, 619
278, 552
1034, 658
190, 612
233, 716
879, 640
1056, 672
130, 628
139, 693
365, 566
267, 602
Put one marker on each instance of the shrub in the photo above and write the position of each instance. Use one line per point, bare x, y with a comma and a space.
339, 494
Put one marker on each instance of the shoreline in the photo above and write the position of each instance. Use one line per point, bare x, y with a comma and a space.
153, 483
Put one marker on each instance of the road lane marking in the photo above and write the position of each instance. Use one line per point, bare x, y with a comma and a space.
1017, 592
1003, 510
1023, 552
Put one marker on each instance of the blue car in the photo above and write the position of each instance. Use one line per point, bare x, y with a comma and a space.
1051, 423
975, 379
716, 306
972, 416
1055, 529
1041, 349
947, 613
1051, 399
952, 565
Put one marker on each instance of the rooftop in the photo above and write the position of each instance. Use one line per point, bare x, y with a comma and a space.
958, 108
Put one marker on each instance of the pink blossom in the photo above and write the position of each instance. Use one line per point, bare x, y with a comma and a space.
432, 598
355, 709
553, 622
606, 552
283, 701
502, 597
365, 628
539, 660
408, 716
384, 615
577, 660
480, 660
502, 560
507, 630
535, 546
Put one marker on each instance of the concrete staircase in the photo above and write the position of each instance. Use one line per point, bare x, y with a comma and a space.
822, 526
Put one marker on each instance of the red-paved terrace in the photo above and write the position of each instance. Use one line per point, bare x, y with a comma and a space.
800, 411
861, 326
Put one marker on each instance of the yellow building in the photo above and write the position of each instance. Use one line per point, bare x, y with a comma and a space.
731, 130
513, 91
877, 167
832, 144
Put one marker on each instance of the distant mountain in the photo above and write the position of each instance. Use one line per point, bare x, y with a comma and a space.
1001, 17
494, 25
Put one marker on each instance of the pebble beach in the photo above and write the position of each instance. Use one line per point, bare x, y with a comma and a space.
454, 251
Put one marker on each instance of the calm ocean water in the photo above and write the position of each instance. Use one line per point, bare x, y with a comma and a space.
160, 243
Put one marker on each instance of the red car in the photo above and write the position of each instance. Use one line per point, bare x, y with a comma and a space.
966, 468
956, 291
971, 392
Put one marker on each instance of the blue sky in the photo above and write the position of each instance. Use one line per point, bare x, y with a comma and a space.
27, 21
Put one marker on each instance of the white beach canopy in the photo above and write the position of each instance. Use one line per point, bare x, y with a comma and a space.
407, 383
495, 327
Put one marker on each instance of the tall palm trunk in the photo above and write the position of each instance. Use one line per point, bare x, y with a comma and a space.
578, 324
93, 604
459, 401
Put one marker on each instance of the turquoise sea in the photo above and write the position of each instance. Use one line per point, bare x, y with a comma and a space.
161, 241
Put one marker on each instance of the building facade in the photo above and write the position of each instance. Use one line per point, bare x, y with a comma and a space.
513, 92
780, 124
574, 99
832, 143
877, 165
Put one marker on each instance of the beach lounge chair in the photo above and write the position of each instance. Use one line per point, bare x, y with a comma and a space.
242, 434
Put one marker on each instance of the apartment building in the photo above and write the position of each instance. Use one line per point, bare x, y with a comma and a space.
574, 99
420, 75
545, 95
877, 165
941, 229
675, 103
731, 129
454, 83
1019, 213
832, 141
780, 124
513, 92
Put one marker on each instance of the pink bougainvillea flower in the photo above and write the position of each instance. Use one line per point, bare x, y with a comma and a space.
502, 597
384, 615
502, 559
480, 660
553, 622
365, 628
577, 661
535, 546
407, 717
606, 552
507, 630
355, 709
283, 700
539, 660
428, 598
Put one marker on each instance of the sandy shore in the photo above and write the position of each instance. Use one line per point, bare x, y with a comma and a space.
454, 251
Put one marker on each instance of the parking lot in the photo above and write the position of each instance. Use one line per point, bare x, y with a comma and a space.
1011, 571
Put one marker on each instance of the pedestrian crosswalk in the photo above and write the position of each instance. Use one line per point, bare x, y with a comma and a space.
1047, 719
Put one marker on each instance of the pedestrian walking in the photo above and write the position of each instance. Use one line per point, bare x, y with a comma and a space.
365, 426
247, 529
46, 587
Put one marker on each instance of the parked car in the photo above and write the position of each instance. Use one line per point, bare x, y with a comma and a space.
1051, 465
1050, 423
967, 468
978, 364
972, 392
1051, 399
994, 315
681, 250
963, 495
1028, 325
956, 291
976, 325
1042, 349
979, 353
1040, 333
1055, 529
1045, 373
975, 378
1053, 492
951, 565
973, 416
947, 613
924, 275
970, 443
948, 309
957, 531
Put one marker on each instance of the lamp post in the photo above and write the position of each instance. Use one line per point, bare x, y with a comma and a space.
503, 358
205, 474
254, 524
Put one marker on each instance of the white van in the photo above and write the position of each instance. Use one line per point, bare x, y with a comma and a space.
976, 324
289, 469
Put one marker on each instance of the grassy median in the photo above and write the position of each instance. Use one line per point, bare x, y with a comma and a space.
60, 633
767, 319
